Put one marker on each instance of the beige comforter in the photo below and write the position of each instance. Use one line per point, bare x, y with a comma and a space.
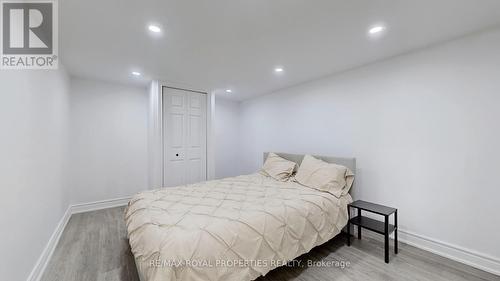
230, 229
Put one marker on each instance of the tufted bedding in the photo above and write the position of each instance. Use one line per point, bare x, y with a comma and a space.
230, 229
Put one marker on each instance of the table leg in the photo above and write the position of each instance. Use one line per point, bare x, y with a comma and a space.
386, 234
359, 227
396, 232
348, 226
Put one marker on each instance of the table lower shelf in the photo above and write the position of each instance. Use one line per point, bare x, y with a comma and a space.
371, 224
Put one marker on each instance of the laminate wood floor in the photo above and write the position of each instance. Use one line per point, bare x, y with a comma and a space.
94, 247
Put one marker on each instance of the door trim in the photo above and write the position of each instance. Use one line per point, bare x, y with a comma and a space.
155, 134
181, 89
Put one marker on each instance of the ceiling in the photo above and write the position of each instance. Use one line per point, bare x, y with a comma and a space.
214, 45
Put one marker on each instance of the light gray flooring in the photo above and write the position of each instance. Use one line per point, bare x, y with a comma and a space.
94, 247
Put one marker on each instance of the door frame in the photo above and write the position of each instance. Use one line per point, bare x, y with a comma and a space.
155, 131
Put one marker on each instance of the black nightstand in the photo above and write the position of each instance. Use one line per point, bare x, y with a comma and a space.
380, 227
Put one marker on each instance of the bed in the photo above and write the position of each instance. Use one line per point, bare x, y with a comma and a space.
235, 228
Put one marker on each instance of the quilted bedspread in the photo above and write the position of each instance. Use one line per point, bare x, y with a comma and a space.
230, 229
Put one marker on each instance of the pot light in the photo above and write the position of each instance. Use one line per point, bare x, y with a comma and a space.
135, 73
278, 69
376, 29
229, 91
154, 28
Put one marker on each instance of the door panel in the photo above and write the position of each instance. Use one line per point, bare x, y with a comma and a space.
195, 171
195, 130
197, 139
184, 137
174, 120
176, 130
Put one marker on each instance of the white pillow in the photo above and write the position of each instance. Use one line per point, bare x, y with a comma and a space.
332, 178
277, 167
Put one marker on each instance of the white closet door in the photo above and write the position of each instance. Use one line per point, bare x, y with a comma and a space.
184, 137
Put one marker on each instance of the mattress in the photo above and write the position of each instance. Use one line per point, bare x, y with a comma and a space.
235, 228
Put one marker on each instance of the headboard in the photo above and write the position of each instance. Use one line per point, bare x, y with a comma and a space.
297, 158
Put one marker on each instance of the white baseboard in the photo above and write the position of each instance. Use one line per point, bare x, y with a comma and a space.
41, 264
47, 252
99, 205
453, 252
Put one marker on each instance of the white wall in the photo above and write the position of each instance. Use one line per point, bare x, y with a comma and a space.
155, 143
227, 141
108, 141
33, 150
424, 130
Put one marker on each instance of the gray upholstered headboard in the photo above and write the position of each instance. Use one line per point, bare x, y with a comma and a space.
297, 158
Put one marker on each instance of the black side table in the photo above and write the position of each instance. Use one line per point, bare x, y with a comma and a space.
380, 227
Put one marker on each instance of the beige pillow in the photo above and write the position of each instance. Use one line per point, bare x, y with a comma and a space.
277, 167
320, 175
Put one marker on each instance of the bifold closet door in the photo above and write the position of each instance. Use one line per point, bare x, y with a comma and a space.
184, 137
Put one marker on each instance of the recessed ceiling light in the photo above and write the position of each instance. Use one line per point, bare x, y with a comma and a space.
154, 28
278, 69
135, 73
376, 29
229, 91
